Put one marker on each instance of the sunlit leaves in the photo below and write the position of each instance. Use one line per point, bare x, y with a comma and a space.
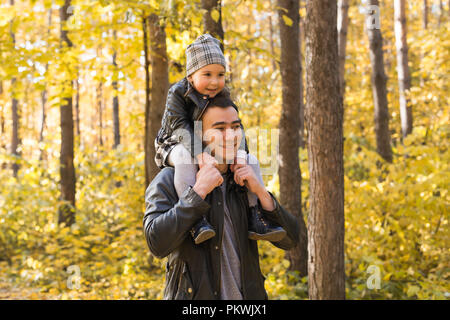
288, 21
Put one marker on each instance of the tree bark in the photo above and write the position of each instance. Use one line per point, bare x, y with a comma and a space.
15, 136
404, 76
116, 118
271, 41
342, 28
441, 12
211, 26
381, 112
148, 142
289, 170
67, 170
160, 84
2, 117
99, 99
302, 141
324, 120
425, 14
42, 153
77, 106
2, 126
15, 141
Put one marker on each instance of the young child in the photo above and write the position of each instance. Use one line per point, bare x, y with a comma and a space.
186, 102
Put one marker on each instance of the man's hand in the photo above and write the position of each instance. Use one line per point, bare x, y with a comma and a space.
206, 158
208, 178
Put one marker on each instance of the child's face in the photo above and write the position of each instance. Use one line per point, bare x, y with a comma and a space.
209, 80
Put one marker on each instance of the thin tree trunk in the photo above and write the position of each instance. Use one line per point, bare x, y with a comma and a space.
15, 142
116, 118
249, 87
2, 116
324, 121
209, 24
425, 14
66, 212
271, 40
441, 12
404, 76
42, 154
425, 26
160, 82
289, 170
2, 125
15, 136
301, 130
381, 112
77, 106
99, 98
148, 142
342, 27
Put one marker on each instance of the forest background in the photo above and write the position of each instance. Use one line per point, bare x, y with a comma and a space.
396, 212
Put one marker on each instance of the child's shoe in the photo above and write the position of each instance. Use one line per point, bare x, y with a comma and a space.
261, 229
202, 231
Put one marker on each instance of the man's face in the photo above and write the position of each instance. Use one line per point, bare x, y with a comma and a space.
222, 132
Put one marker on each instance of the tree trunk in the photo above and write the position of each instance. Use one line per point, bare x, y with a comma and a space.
301, 127
77, 107
160, 85
210, 25
42, 153
342, 26
2, 117
324, 121
381, 112
148, 143
99, 99
404, 77
116, 118
271, 40
67, 170
99, 96
15, 137
2, 126
425, 14
289, 171
15, 141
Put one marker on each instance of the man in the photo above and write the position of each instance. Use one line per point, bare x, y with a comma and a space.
227, 266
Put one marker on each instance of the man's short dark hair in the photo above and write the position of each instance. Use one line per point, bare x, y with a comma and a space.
223, 100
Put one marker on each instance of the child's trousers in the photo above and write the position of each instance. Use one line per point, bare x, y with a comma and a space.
186, 171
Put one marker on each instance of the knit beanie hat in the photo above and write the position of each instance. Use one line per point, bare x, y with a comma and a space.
203, 51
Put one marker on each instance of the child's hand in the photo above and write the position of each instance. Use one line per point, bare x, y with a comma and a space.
246, 176
206, 158
239, 161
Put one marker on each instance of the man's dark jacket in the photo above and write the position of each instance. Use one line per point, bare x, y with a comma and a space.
193, 271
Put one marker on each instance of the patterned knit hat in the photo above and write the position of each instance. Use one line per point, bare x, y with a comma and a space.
203, 51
